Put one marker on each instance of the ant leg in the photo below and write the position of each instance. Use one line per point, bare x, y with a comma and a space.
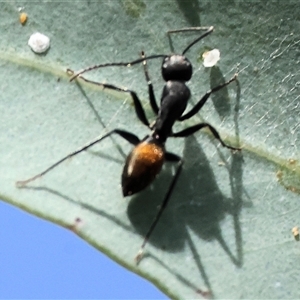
136, 101
203, 100
171, 158
130, 137
118, 64
190, 130
150, 86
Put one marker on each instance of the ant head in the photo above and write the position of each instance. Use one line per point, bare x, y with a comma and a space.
176, 67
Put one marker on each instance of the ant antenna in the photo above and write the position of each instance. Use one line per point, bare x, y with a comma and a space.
143, 59
124, 64
210, 29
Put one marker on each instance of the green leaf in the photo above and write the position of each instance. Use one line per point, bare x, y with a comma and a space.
227, 230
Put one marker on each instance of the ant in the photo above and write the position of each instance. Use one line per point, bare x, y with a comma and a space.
146, 159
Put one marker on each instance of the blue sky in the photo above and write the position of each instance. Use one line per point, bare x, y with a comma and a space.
42, 260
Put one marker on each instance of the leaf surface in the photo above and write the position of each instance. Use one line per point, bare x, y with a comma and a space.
227, 230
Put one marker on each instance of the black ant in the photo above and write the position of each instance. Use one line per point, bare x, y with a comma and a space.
146, 159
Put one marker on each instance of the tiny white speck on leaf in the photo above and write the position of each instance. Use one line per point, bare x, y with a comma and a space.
39, 43
210, 58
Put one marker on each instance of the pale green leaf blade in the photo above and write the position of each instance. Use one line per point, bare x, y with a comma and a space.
227, 230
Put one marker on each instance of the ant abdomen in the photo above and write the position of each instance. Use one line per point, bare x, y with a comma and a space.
142, 165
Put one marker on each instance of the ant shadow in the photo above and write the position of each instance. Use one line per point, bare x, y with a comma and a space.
191, 11
99, 119
196, 203
220, 99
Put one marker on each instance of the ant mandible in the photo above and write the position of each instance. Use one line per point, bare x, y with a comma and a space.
146, 159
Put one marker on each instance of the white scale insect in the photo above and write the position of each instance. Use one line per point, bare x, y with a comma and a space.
39, 43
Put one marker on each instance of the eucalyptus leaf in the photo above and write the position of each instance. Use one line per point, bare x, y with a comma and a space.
227, 230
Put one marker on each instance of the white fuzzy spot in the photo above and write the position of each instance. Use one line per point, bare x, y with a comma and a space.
210, 58
39, 43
